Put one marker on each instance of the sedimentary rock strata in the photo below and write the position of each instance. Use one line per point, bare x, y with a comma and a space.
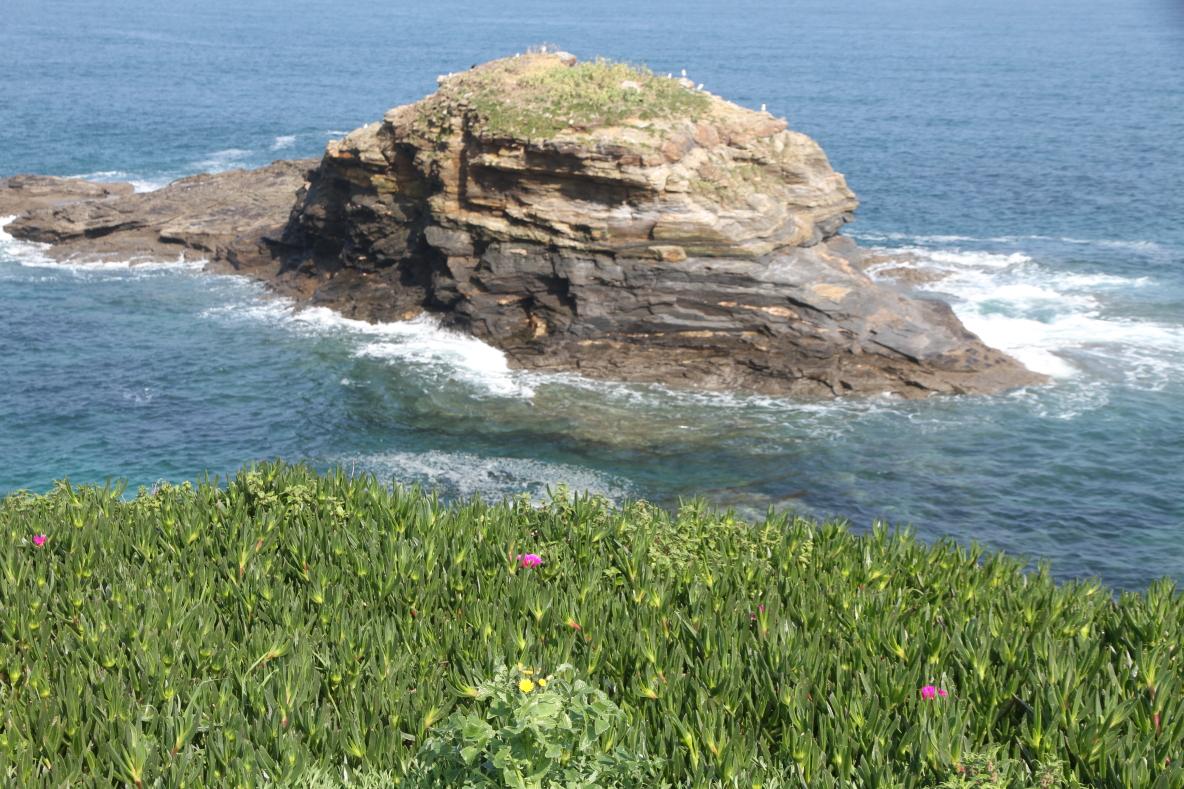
586, 217
697, 246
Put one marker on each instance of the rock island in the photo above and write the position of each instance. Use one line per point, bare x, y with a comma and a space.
581, 216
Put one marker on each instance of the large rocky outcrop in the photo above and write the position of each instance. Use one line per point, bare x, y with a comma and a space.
689, 240
586, 217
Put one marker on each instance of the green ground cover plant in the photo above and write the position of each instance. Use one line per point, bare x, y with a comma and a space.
296, 629
531, 99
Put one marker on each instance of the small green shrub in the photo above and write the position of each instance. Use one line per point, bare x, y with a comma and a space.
532, 731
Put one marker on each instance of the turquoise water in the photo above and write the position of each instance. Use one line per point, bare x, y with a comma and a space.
1032, 150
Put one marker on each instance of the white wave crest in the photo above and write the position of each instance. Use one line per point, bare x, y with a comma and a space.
103, 176
139, 183
1135, 245
220, 161
150, 184
283, 141
27, 253
1054, 321
33, 255
420, 341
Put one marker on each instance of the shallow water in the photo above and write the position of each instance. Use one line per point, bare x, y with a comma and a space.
1032, 151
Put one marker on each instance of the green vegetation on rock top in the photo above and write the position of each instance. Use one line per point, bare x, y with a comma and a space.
301, 629
537, 96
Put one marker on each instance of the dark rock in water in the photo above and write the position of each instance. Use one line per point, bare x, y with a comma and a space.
227, 216
655, 233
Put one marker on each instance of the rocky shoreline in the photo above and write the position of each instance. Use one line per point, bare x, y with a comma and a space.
656, 234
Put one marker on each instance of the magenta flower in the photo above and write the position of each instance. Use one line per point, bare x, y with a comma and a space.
529, 560
930, 692
39, 539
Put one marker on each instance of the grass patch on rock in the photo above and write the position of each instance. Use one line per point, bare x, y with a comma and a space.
537, 96
298, 629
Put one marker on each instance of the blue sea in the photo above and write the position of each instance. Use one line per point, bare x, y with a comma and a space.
1034, 152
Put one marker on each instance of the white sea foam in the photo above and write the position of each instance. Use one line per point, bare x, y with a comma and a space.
1135, 245
283, 141
139, 183
420, 341
33, 255
24, 252
103, 175
1054, 321
423, 341
151, 184
220, 161
462, 475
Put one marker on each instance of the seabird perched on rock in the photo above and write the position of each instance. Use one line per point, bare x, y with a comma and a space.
763, 108
684, 72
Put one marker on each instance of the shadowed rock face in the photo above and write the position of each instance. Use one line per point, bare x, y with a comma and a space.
698, 249
631, 229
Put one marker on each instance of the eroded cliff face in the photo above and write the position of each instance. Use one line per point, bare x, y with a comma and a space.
593, 218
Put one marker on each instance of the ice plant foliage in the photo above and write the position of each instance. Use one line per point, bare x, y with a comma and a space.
286, 622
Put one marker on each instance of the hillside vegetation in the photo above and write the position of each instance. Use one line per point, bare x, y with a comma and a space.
312, 630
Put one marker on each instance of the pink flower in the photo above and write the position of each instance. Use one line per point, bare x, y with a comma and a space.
529, 560
930, 692
39, 539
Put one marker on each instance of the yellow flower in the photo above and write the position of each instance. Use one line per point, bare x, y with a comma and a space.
542, 683
525, 685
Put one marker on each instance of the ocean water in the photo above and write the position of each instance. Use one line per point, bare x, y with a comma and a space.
1031, 150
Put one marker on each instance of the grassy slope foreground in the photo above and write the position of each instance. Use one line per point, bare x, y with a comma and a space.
307, 629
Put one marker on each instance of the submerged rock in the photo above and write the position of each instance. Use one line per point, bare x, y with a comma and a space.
580, 216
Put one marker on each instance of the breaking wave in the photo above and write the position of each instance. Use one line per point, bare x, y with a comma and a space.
1056, 321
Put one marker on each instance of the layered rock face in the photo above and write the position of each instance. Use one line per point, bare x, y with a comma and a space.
587, 217
593, 218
